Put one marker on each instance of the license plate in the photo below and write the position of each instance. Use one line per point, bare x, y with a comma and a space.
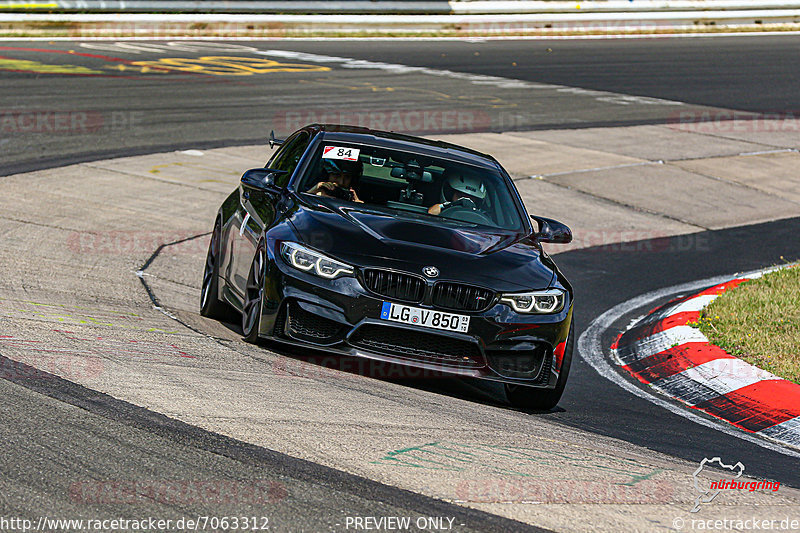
426, 318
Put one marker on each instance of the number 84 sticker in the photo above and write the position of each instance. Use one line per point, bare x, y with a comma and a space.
340, 152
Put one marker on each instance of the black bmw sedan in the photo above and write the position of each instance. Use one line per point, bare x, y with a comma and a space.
398, 249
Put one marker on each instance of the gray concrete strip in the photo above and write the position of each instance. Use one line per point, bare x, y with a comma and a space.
774, 173
681, 195
595, 221
635, 197
213, 170
652, 143
777, 129
523, 156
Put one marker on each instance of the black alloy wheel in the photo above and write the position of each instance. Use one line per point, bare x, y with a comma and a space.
210, 304
254, 296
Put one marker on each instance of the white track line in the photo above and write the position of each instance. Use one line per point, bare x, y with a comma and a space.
476, 79
592, 351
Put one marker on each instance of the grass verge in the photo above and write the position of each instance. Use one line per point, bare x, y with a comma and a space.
759, 322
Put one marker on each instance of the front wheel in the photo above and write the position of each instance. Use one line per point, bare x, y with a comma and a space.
535, 399
254, 296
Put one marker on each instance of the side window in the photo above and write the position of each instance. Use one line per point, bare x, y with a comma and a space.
289, 156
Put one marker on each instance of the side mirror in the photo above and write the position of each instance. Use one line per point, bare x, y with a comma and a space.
552, 231
261, 178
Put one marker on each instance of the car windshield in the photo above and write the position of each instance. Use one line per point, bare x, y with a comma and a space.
411, 185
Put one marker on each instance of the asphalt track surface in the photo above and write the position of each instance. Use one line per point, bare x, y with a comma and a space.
143, 112
62, 434
757, 74
754, 74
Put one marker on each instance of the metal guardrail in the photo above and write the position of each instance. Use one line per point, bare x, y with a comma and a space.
375, 18
231, 6
407, 7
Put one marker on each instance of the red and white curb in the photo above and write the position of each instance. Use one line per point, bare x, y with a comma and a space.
662, 351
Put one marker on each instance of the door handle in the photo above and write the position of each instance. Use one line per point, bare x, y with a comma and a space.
246, 195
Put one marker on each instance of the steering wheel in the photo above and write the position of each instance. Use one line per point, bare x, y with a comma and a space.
465, 210
464, 202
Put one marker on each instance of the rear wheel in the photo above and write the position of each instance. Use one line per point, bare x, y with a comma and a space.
532, 398
210, 304
254, 296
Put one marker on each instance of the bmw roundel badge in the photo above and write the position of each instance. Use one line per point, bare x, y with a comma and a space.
430, 271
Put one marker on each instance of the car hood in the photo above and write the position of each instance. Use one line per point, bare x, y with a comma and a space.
500, 260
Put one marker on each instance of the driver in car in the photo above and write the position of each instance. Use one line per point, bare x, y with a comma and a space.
343, 177
460, 190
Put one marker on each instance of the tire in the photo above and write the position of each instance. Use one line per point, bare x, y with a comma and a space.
535, 399
210, 304
254, 296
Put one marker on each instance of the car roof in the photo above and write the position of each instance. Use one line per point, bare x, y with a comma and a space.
399, 141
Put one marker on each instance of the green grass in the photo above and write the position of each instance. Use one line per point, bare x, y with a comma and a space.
759, 322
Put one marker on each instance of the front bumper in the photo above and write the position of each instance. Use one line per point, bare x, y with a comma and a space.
342, 317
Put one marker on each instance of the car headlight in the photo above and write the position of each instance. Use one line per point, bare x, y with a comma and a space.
308, 260
540, 302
